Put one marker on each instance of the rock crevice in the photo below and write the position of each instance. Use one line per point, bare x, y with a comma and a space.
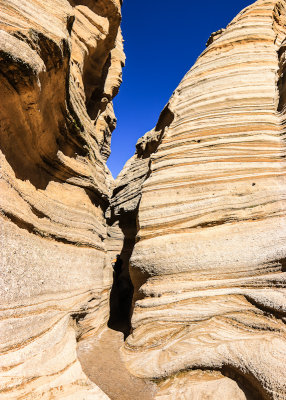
197, 215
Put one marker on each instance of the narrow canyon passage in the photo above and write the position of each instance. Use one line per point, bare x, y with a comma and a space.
197, 217
122, 289
101, 362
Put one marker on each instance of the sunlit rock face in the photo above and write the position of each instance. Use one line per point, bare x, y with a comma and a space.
209, 184
60, 64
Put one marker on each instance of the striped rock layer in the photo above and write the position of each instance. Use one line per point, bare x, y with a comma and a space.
208, 184
60, 67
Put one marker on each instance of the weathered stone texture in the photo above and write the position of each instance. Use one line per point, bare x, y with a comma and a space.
199, 208
60, 67
209, 260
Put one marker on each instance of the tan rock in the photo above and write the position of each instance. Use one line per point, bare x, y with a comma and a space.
209, 260
60, 64
200, 208
200, 385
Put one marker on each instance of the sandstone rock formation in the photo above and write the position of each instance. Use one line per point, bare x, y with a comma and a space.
60, 66
207, 187
198, 210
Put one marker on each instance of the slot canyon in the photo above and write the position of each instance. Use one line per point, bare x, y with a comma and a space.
196, 217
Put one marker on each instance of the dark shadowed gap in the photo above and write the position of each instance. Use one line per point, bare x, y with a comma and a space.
248, 383
122, 289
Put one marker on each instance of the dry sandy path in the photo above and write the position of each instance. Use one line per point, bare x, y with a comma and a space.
101, 361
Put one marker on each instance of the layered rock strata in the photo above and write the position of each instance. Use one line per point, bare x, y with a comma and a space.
208, 190
60, 67
199, 208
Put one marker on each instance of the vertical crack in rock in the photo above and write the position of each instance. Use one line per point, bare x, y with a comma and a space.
123, 216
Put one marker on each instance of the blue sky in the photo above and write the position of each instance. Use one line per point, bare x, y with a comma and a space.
163, 39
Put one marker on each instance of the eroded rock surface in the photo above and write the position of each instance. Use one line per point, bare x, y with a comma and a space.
208, 190
60, 66
199, 210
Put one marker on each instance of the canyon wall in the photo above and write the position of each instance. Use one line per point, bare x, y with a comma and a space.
198, 211
60, 67
207, 188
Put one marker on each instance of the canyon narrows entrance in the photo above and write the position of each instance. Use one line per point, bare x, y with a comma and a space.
100, 355
122, 290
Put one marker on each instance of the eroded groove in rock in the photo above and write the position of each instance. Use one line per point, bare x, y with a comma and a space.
211, 221
55, 57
